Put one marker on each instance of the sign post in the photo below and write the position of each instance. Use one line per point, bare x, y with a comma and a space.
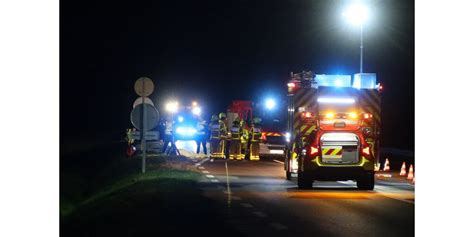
143, 132
144, 87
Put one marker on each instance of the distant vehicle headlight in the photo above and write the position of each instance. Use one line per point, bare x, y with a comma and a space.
196, 110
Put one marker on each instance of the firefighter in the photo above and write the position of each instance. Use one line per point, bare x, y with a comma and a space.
201, 136
168, 136
254, 139
235, 143
129, 136
223, 131
244, 139
215, 137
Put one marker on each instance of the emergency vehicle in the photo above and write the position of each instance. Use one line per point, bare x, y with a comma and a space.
272, 140
333, 128
273, 143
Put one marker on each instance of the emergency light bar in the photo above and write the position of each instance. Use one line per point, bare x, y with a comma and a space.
328, 100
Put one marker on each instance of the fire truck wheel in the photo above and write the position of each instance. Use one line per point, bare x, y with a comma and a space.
304, 182
288, 175
366, 182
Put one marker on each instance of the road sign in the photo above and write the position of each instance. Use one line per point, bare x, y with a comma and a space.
151, 117
150, 135
144, 86
140, 99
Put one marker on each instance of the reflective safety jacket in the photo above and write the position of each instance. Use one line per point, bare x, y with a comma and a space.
236, 132
222, 129
215, 130
255, 134
201, 129
245, 135
168, 128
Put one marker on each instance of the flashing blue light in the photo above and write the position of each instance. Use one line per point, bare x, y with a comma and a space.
196, 110
333, 80
186, 131
365, 81
270, 104
180, 119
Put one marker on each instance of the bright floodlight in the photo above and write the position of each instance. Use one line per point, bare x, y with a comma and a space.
197, 110
336, 100
171, 106
356, 14
270, 103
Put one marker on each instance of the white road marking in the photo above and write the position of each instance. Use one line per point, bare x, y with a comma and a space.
214, 180
259, 214
280, 162
205, 172
278, 226
246, 205
200, 167
202, 162
229, 194
210, 176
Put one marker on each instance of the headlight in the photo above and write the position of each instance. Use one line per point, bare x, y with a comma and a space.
329, 115
352, 115
196, 110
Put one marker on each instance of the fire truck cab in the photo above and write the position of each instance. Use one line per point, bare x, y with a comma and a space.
334, 125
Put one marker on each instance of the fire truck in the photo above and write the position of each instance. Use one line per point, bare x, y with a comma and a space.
241, 109
333, 128
273, 141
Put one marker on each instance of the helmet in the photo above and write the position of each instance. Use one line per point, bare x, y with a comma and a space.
214, 118
256, 120
222, 115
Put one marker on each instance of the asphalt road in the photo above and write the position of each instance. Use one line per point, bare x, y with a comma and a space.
257, 200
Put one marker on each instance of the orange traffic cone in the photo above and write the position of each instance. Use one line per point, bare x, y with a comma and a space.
386, 166
403, 170
411, 176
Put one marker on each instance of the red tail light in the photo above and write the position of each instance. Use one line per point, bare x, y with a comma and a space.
264, 136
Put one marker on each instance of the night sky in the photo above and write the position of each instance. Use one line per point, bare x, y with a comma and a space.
218, 51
